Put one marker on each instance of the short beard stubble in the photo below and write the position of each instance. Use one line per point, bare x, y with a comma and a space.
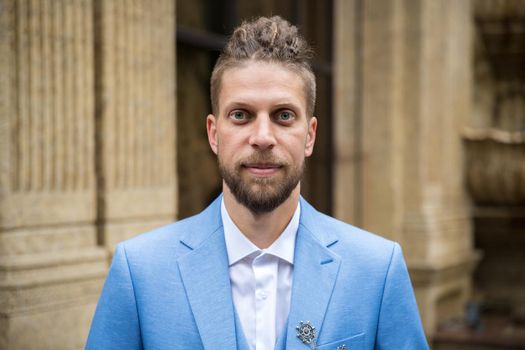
260, 195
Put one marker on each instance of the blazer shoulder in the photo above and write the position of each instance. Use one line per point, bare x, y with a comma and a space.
349, 241
325, 225
177, 237
356, 236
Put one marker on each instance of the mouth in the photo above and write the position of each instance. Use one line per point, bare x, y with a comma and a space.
262, 169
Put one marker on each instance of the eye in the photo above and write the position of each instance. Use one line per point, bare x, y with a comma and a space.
285, 116
238, 116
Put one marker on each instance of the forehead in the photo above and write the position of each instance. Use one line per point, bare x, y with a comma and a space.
262, 82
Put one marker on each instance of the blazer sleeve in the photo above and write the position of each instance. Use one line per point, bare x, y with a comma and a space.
399, 325
116, 322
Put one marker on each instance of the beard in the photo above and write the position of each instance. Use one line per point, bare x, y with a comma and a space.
261, 194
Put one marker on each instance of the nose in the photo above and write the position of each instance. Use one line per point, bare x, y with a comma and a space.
262, 135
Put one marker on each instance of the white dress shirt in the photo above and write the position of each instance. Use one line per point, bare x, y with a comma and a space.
261, 281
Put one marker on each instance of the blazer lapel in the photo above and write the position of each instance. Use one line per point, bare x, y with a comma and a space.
315, 273
206, 279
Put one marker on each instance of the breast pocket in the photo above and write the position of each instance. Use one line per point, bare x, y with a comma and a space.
355, 342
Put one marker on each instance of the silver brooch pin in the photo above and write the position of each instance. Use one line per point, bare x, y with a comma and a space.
306, 333
341, 347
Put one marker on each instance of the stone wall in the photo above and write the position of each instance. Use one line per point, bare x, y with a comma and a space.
87, 154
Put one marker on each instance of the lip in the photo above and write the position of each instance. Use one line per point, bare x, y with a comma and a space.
262, 169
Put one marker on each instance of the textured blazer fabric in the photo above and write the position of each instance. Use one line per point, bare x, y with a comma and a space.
170, 289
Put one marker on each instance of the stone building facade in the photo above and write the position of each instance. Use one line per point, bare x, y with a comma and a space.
91, 131
87, 154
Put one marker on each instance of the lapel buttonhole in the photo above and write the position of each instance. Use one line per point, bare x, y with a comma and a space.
327, 261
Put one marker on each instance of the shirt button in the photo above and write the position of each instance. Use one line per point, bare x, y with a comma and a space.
262, 295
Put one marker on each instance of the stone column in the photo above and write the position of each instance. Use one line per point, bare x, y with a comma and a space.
347, 107
382, 117
136, 117
51, 269
436, 222
414, 62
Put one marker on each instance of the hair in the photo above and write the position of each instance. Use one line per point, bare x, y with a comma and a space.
265, 39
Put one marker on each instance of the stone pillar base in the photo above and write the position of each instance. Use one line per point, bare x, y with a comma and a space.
443, 288
47, 300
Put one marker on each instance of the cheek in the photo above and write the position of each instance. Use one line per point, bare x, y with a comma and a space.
234, 138
296, 145
227, 145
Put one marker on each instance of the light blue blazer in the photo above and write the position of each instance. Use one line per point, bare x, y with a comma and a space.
170, 289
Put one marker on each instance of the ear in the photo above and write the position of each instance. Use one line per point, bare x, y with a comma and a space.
310, 137
211, 128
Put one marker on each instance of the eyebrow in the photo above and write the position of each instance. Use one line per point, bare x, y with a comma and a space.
248, 106
237, 104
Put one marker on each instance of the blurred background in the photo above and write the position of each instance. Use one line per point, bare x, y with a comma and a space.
421, 139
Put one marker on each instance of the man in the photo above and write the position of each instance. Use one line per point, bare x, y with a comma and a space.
259, 268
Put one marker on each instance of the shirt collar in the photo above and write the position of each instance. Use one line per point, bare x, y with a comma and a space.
239, 247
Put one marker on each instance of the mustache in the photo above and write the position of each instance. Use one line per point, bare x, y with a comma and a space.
262, 158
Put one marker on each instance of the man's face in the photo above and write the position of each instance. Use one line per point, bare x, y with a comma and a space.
262, 133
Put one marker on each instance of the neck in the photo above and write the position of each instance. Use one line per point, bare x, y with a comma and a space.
261, 229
